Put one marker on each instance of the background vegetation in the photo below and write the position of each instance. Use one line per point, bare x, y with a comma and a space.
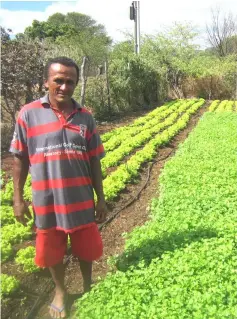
113, 79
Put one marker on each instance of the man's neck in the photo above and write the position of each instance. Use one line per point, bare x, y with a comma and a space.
62, 106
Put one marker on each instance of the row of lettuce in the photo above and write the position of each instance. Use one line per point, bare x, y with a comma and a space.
183, 262
128, 172
223, 106
135, 136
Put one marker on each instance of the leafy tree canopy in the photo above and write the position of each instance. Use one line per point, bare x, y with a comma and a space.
60, 26
5, 36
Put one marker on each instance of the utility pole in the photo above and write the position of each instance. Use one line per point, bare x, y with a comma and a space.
138, 27
135, 15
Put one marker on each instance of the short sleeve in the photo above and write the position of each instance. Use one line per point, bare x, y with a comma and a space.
19, 141
94, 143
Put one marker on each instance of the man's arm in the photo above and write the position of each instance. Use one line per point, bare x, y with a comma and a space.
20, 171
96, 173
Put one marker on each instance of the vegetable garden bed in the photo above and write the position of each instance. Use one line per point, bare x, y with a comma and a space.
122, 197
182, 263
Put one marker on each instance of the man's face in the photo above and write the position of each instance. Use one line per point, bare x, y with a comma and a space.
61, 83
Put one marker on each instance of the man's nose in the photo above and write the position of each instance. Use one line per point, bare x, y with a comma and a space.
63, 86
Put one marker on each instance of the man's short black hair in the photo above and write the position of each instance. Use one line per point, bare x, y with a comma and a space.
61, 60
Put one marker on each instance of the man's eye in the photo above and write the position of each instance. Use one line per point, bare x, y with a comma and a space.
58, 81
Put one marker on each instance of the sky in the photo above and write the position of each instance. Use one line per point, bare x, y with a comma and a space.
114, 15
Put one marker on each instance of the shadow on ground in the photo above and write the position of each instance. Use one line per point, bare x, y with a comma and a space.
156, 247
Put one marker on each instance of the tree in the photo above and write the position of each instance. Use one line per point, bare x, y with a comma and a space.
133, 83
60, 26
231, 44
170, 53
36, 31
56, 19
43, 30
222, 33
210, 76
21, 73
5, 36
83, 22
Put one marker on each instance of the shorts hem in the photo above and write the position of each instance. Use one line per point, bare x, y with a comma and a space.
47, 265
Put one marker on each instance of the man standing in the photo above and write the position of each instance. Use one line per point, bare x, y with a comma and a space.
57, 139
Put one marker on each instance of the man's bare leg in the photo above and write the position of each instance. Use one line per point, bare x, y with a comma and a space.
57, 273
86, 270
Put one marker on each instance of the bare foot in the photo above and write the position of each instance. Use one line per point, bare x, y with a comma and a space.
57, 307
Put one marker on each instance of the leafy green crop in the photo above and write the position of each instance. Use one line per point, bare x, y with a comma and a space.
141, 124
2, 178
12, 232
214, 105
197, 281
6, 250
7, 215
9, 285
217, 106
26, 257
125, 173
7, 193
138, 122
142, 134
182, 263
15, 233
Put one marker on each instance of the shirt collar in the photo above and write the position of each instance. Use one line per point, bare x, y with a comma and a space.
45, 102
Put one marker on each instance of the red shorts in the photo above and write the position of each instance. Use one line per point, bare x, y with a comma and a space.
51, 246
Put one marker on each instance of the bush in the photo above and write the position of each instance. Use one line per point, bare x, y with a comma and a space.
133, 84
97, 98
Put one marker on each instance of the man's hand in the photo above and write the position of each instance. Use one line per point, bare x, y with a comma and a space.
21, 211
101, 211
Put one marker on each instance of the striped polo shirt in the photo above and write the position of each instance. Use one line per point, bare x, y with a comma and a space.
59, 152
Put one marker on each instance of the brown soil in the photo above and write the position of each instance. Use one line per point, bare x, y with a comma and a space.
7, 164
134, 215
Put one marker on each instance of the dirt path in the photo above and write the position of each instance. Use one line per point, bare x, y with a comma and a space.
134, 215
